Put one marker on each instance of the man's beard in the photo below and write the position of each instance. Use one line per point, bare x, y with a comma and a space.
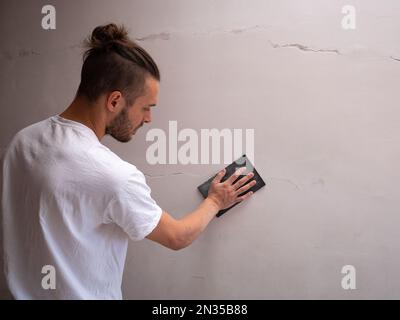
121, 128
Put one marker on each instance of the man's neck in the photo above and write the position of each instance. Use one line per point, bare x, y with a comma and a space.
81, 111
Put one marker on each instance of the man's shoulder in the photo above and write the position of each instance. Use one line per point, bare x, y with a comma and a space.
36, 127
112, 166
27, 133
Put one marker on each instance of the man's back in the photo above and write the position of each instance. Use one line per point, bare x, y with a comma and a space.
70, 203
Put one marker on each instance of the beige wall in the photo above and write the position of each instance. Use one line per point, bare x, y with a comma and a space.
324, 104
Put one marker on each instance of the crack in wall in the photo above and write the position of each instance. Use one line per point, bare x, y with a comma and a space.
155, 36
238, 31
235, 31
26, 53
303, 48
168, 35
319, 182
286, 181
22, 53
245, 29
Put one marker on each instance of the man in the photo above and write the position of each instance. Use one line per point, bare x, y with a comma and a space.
70, 204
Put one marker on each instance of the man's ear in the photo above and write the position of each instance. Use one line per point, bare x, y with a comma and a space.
115, 101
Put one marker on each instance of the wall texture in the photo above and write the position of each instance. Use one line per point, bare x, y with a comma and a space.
324, 104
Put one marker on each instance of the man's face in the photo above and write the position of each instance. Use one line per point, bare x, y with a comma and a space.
131, 118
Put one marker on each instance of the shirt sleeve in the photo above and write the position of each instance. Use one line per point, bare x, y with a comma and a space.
133, 208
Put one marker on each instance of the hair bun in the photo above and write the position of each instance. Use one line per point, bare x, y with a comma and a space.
103, 35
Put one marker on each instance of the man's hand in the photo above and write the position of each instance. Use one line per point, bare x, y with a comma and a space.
178, 234
225, 194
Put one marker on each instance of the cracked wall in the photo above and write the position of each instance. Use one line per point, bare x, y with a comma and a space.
324, 106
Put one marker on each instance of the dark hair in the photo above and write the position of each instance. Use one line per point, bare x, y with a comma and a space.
113, 61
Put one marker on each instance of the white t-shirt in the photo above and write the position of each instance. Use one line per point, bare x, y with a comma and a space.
70, 203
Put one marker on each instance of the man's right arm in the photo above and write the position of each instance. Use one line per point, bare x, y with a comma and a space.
179, 233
